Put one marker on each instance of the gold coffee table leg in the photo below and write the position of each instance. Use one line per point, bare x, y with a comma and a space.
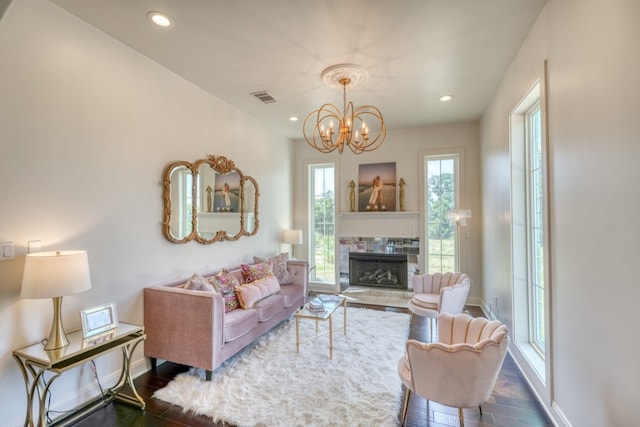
344, 308
297, 334
331, 337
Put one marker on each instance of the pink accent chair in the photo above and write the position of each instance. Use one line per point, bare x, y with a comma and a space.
439, 293
458, 370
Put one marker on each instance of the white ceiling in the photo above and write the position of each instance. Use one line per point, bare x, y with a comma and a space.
415, 51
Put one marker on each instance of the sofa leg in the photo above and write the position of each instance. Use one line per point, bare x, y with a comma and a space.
461, 417
154, 364
207, 375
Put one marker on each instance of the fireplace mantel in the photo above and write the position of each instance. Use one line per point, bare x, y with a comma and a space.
379, 224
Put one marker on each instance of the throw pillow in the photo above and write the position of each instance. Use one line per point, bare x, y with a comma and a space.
198, 283
225, 282
279, 263
257, 271
251, 293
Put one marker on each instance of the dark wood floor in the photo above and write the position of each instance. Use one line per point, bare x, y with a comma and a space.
512, 402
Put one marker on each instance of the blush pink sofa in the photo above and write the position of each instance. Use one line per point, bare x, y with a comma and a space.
191, 327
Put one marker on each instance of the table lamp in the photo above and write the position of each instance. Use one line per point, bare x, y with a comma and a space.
54, 275
292, 237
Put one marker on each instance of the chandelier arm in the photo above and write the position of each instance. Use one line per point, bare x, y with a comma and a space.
323, 142
371, 143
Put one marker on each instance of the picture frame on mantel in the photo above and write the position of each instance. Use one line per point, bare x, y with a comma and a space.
377, 187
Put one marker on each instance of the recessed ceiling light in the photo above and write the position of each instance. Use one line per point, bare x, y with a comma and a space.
445, 98
293, 119
160, 19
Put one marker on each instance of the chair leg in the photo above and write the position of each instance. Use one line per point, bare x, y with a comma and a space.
461, 417
431, 334
407, 396
480, 407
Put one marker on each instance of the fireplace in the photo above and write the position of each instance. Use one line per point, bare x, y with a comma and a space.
382, 270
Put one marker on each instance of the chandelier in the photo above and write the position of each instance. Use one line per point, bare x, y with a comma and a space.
353, 125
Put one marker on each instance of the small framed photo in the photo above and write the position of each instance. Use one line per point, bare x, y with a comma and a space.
99, 319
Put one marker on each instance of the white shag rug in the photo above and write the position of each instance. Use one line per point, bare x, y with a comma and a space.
269, 384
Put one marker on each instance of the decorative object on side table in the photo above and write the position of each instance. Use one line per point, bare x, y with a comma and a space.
54, 275
98, 320
315, 305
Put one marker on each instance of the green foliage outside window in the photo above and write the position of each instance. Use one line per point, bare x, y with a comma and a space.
324, 237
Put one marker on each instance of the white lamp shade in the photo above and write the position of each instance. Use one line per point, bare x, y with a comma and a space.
55, 274
292, 237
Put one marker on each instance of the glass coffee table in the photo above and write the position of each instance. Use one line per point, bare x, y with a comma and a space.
330, 303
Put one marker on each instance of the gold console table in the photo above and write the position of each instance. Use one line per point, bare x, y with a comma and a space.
35, 362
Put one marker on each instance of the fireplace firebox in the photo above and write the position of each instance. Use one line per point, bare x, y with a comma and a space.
378, 269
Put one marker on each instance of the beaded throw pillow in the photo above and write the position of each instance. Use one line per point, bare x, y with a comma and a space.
225, 282
279, 263
256, 271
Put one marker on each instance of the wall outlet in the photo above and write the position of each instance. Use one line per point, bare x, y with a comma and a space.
34, 246
6, 251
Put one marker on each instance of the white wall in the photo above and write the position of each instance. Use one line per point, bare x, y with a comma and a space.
86, 127
593, 98
404, 148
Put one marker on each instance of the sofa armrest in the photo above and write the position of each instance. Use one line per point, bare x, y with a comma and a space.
183, 326
299, 271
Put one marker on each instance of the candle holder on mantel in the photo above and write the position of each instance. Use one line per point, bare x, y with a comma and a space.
401, 184
352, 196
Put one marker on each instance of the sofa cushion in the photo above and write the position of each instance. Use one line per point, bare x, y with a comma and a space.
253, 292
256, 271
429, 301
239, 322
225, 282
198, 283
279, 266
269, 307
291, 294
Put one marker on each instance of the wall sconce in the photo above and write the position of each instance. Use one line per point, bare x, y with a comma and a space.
459, 217
292, 237
54, 275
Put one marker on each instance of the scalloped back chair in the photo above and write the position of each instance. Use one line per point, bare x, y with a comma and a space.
438, 293
461, 368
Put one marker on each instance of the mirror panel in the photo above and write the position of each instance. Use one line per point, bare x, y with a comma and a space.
250, 199
208, 201
178, 191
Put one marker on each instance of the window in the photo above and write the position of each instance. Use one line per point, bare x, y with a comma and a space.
441, 173
535, 239
322, 222
529, 245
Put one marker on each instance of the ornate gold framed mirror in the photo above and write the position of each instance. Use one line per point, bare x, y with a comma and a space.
209, 200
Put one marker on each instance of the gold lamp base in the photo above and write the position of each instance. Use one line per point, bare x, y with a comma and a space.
57, 338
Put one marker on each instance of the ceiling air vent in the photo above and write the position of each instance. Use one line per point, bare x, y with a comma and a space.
264, 97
